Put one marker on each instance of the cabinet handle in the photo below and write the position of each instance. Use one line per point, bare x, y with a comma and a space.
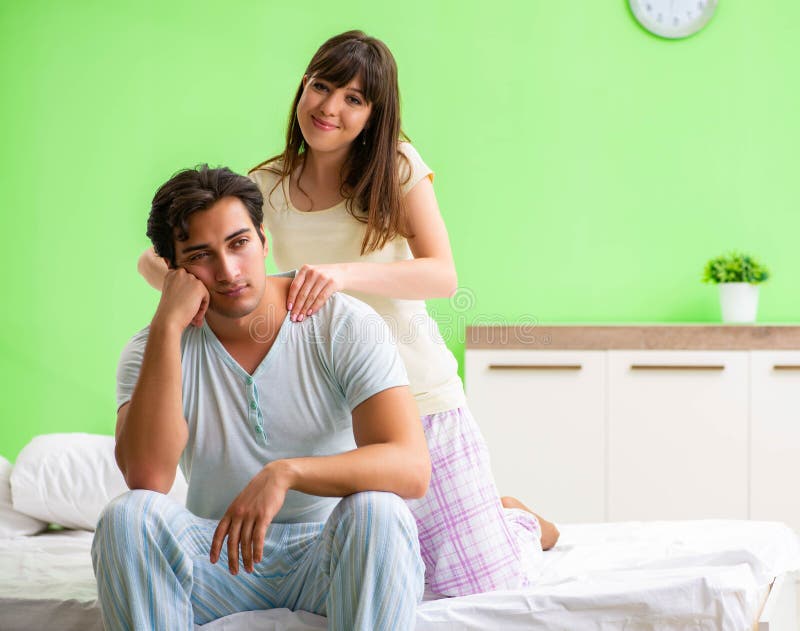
676, 367
535, 366
786, 367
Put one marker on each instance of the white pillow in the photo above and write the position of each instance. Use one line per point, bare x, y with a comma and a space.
12, 523
67, 479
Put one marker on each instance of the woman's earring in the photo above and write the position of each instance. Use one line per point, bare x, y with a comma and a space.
364, 138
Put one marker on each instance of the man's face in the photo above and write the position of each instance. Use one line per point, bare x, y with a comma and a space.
225, 253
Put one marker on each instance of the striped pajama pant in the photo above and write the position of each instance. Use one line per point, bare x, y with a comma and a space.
361, 568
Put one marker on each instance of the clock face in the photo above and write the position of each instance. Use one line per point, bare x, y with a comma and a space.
673, 18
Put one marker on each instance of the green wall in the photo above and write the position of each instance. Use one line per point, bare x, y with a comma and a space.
585, 169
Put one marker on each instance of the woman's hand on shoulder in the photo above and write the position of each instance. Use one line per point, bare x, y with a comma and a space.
311, 288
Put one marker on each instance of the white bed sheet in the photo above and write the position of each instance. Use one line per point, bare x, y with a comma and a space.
665, 575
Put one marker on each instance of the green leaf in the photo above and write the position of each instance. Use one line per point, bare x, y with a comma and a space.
734, 267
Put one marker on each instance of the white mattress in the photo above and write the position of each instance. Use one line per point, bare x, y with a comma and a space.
656, 575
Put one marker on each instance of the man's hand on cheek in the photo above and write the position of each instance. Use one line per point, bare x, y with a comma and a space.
184, 300
246, 521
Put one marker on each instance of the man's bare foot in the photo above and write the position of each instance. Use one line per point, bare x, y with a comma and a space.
550, 533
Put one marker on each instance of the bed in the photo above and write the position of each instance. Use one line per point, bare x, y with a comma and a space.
707, 574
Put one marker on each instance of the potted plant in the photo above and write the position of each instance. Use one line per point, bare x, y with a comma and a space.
738, 276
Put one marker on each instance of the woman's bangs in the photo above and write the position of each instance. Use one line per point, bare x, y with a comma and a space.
340, 67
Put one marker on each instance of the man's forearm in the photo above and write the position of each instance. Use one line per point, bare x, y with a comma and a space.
154, 432
379, 467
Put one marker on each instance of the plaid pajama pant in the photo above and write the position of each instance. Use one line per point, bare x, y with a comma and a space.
361, 568
469, 542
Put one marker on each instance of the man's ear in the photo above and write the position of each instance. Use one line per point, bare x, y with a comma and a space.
166, 259
264, 236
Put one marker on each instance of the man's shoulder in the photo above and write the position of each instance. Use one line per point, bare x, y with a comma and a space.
339, 304
344, 318
139, 338
344, 305
282, 282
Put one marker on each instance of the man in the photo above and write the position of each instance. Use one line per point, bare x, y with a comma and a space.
273, 421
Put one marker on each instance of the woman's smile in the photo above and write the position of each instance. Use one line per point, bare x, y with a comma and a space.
322, 125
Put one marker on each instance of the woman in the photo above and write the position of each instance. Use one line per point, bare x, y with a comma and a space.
351, 207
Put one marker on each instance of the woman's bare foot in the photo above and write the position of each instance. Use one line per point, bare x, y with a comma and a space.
550, 533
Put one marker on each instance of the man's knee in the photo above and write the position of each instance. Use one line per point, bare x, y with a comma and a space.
383, 528
385, 511
125, 523
374, 562
130, 509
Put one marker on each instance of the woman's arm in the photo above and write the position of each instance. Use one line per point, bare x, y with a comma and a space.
430, 274
153, 268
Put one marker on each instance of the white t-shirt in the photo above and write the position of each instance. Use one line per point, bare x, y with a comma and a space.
333, 235
298, 401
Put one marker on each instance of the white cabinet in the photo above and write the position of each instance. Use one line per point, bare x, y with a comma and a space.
542, 414
775, 437
610, 435
677, 435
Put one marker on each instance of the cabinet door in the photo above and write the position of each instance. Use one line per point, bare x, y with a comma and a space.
542, 414
775, 436
677, 434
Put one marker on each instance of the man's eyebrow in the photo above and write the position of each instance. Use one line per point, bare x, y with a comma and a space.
203, 246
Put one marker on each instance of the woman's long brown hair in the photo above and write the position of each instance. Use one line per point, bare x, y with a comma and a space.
370, 182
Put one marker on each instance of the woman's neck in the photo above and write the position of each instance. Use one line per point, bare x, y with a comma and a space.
323, 170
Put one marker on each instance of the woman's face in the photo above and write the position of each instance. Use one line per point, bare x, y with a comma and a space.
331, 118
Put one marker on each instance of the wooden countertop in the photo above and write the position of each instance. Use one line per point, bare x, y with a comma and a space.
705, 337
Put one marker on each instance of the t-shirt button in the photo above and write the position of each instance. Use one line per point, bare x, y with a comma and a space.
253, 405
249, 381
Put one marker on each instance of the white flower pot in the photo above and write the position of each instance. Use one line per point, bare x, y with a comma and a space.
739, 302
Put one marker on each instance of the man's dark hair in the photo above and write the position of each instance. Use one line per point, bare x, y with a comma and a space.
193, 190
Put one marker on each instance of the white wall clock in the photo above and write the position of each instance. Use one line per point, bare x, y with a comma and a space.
673, 18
